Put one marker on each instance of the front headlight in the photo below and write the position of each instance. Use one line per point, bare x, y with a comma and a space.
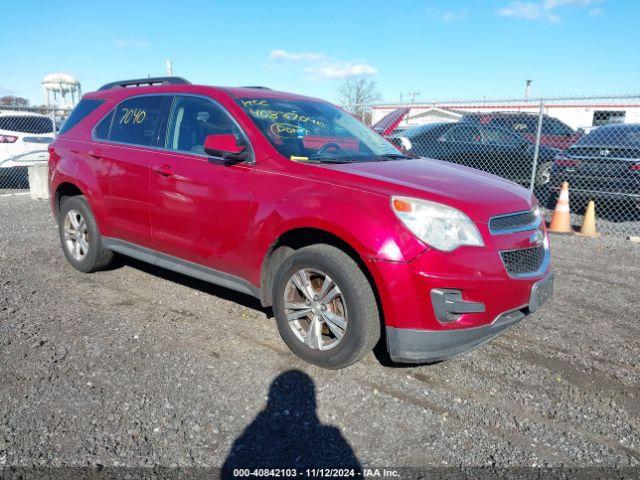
437, 225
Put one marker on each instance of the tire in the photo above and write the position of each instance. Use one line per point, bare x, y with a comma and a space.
87, 255
543, 174
355, 303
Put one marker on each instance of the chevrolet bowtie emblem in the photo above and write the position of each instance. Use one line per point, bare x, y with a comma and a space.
536, 238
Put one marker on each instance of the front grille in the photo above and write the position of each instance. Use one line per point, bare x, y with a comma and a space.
527, 260
513, 221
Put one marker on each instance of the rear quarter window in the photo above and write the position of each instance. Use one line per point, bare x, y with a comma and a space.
136, 119
104, 127
84, 108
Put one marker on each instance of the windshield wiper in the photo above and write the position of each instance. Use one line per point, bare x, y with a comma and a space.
331, 160
396, 156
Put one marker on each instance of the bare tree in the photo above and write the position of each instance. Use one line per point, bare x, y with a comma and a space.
13, 101
355, 94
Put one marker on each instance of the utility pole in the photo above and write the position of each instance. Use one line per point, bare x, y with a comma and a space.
527, 90
169, 68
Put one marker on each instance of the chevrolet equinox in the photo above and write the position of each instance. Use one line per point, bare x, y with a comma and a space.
294, 201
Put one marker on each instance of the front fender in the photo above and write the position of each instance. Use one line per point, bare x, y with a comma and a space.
362, 219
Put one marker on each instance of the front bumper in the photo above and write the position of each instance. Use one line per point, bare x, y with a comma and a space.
623, 187
425, 346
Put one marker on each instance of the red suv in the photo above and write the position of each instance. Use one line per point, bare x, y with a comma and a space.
294, 201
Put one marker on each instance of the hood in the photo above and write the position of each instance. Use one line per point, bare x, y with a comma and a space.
478, 194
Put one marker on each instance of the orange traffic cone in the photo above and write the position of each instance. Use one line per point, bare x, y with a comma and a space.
589, 223
561, 220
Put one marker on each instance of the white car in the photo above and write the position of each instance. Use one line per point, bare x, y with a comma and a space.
24, 138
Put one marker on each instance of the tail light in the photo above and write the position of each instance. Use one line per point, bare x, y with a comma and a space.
563, 161
635, 167
8, 139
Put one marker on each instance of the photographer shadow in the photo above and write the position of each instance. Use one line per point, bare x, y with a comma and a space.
288, 433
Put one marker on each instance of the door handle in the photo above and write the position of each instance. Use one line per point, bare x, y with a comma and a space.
97, 153
164, 170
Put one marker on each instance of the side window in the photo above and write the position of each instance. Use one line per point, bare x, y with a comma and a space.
136, 119
102, 129
551, 126
500, 136
463, 134
192, 119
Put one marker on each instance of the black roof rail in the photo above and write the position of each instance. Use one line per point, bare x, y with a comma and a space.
256, 86
144, 82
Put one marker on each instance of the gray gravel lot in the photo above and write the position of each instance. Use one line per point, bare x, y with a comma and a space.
137, 366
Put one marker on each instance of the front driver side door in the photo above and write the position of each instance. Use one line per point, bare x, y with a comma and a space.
200, 205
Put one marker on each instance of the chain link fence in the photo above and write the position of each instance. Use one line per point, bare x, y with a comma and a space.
25, 133
591, 143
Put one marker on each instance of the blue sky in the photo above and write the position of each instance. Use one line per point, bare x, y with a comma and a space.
443, 49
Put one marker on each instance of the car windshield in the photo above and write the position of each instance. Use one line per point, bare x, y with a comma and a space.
613, 136
316, 131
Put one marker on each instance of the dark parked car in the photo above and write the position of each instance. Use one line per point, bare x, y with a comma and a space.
604, 164
492, 149
554, 133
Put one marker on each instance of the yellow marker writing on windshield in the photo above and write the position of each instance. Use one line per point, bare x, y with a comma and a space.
299, 159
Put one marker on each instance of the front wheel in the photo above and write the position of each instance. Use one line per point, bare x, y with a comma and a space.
543, 174
325, 307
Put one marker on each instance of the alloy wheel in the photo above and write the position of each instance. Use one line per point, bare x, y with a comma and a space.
316, 309
76, 235
545, 176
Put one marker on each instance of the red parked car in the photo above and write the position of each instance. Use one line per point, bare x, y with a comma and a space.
347, 239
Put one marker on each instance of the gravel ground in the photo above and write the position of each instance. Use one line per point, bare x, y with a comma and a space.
138, 366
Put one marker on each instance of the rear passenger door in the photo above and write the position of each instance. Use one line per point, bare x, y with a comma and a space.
200, 204
129, 133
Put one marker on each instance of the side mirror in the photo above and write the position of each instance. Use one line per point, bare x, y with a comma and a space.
224, 145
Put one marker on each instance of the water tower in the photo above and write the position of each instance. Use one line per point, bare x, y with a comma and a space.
61, 90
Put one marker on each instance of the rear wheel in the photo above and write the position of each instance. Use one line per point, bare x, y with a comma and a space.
325, 308
79, 236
